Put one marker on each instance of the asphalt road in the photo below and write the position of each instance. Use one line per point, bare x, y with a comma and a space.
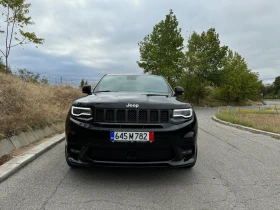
273, 102
235, 170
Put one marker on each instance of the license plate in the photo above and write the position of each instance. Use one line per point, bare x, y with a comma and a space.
132, 136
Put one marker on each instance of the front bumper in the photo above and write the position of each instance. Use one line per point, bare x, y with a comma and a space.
174, 145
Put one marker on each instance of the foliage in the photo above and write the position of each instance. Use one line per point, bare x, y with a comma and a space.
195, 88
82, 83
266, 89
204, 56
44, 80
276, 84
238, 82
212, 68
271, 91
3, 67
28, 76
203, 63
161, 51
15, 13
271, 96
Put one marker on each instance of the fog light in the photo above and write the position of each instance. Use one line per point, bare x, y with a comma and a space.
186, 152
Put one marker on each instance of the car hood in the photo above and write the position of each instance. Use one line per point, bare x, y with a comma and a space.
130, 100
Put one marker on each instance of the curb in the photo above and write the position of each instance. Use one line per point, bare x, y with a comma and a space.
15, 164
253, 130
23, 139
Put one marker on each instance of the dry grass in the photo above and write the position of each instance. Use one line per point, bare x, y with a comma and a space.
25, 106
4, 159
263, 120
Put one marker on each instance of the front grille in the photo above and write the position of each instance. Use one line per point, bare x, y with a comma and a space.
121, 115
110, 116
131, 116
164, 116
131, 155
99, 115
154, 116
127, 125
143, 116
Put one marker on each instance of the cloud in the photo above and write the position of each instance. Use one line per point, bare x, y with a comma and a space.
89, 38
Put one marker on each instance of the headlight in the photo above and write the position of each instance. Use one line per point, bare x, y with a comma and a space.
185, 113
80, 111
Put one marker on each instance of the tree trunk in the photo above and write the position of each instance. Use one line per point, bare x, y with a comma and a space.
6, 67
227, 99
239, 100
198, 100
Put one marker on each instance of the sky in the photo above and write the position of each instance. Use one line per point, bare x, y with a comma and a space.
90, 38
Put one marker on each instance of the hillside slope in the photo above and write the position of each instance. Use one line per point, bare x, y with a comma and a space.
25, 105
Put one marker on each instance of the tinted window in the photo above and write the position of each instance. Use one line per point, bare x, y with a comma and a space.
145, 83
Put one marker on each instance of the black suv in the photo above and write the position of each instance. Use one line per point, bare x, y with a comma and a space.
131, 120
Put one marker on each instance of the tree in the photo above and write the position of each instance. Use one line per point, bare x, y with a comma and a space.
82, 83
276, 84
267, 89
161, 51
204, 56
15, 14
45, 81
86, 82
28, 76
238, 82
203, 63
195, 88
3, 67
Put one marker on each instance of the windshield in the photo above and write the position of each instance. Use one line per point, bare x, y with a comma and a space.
133, 83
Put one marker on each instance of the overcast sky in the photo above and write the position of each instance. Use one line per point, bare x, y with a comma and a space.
89, 38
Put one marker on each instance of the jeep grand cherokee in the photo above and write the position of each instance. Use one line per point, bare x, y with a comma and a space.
131, 120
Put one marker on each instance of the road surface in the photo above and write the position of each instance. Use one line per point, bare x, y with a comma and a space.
273, 102
235, 170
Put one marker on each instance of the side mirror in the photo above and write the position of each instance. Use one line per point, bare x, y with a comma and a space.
87, 89
179, 91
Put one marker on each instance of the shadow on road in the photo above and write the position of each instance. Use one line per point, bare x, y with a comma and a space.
134, 176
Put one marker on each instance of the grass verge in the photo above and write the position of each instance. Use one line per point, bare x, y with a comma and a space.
266, 120
26, 106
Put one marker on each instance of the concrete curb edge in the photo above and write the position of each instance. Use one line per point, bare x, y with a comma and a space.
253, 130
8, 144
15, 164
